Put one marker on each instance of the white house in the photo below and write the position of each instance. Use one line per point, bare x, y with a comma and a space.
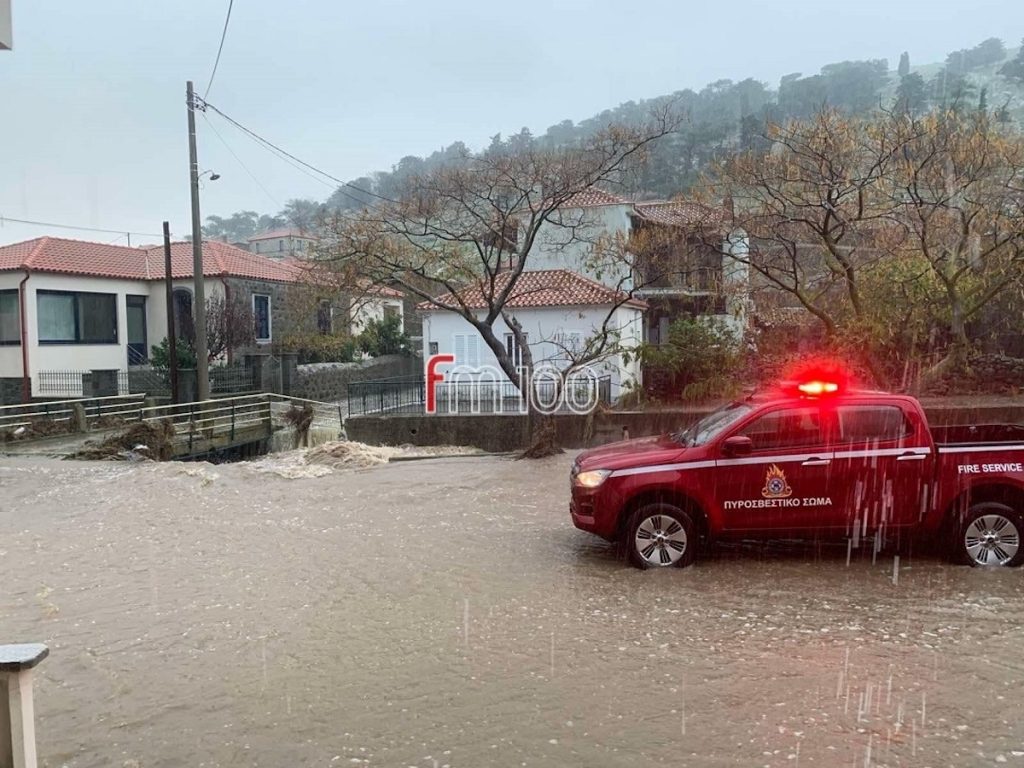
717, 288
73, 306
375, 305
283, 243
559, 310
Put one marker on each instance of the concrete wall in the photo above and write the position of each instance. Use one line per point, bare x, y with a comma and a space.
509, 433
542, 325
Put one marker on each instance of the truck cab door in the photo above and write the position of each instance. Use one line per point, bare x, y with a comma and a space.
784, 482
882, 466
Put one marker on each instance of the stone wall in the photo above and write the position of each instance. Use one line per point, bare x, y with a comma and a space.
328, 382
11, 390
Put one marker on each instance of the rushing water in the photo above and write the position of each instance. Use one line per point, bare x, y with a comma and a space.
445, 612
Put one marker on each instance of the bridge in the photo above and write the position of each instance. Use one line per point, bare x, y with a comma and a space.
188, 430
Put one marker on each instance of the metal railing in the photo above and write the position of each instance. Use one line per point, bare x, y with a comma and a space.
74, 383
60, 411
407, 395
151, 381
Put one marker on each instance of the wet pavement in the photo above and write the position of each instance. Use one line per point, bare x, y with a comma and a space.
446, 612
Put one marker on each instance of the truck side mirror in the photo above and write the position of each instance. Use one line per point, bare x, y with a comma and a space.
737, 445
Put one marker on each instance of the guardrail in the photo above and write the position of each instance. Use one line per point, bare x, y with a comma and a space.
224, 421
24, 415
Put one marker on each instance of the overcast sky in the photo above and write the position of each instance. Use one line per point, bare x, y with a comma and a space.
92, 98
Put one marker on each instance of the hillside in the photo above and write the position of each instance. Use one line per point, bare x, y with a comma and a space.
723, 116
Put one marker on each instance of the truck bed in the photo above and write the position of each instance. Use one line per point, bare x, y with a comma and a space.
977, 434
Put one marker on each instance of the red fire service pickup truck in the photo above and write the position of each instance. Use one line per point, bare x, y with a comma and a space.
810, 459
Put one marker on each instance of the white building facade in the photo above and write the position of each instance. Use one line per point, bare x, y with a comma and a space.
557, 332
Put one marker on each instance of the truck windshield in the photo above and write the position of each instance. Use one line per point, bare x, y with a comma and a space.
711, 425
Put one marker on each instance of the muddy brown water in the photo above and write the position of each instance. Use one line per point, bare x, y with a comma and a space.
446, 612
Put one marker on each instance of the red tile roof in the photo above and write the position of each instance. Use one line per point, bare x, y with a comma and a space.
544, 288
281, 233
223, 260
592, 197
79, 257
679, 213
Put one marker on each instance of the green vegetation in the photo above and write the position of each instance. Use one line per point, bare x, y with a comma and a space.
384, 337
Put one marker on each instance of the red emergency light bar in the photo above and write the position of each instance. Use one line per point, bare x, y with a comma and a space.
817, 388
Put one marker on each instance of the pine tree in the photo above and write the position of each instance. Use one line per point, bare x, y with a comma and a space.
904, 68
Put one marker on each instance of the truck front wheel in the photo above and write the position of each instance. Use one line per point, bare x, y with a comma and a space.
990, 535
660, 535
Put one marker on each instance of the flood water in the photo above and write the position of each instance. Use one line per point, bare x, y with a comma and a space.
446, 613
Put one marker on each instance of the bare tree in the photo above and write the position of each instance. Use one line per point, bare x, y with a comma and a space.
476, 222
957, 191
229, 325
814, 210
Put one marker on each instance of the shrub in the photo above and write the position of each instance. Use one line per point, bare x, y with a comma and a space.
699, 360
321, 348
384, 337
161, 356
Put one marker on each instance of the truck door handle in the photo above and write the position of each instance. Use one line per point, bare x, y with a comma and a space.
912, 457
815, 462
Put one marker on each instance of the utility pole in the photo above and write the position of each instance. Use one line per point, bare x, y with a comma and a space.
199, 291
172, 346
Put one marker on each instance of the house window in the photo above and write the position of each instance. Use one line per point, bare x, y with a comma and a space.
184, 328
569, 345
433, 347
390, 311
467, 349
324, 314
514, 350
280, 245
10, 324
67, 317
261, 316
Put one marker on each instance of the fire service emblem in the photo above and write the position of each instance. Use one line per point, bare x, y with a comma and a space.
775, 485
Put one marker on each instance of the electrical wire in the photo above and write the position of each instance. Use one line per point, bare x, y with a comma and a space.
220, 48
252, 176
292, 159
121, 232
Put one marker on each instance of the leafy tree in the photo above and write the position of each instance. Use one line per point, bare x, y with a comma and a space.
384, 337
984, 54
161, 355
912, 94
1014, 68
904, 68
302, 213
698, 360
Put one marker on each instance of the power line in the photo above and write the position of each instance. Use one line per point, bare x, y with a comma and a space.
121, 232
223, 35
216, 133
288, 156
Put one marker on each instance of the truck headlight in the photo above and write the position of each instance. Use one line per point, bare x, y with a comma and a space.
593, 478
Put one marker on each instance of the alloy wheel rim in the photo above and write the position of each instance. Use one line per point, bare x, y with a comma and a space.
992, 540
660, 540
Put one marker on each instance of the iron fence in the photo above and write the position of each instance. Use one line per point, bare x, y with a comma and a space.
82, 383
233, 379
408, 395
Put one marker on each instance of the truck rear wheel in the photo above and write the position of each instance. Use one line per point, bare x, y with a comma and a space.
661, 535
990, 535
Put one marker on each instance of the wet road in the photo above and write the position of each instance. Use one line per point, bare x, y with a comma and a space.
445, 612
